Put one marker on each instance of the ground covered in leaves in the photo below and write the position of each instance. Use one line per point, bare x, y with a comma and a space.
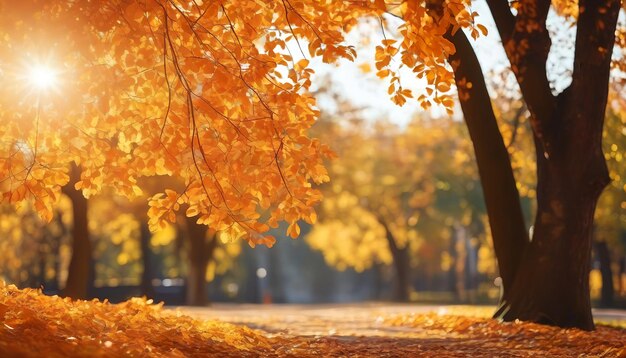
34, 325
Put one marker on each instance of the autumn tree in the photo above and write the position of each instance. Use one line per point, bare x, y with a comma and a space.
393, 191
545, 275
209, 253
206, 252
162, 88
365, 218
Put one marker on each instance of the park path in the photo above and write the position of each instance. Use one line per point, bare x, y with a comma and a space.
365, 319
355, 319
409, 330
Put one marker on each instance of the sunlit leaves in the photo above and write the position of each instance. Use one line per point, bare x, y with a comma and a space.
210, 92
420, 46
33, 321
464, 323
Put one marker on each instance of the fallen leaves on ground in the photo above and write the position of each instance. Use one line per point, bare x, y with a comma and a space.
35, 325
518, 339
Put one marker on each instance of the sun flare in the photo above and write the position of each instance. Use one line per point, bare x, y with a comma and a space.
42, 77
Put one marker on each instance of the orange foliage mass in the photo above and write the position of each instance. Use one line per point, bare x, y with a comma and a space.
210, 92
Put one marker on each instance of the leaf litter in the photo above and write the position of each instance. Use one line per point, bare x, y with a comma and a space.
36, 325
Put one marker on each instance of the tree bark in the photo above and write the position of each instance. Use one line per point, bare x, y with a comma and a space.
401, 265
80, 271
604, 256
200, 252
552, 285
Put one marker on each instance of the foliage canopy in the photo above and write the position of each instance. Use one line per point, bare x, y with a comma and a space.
205, 90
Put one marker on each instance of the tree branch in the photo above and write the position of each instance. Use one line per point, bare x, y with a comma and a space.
517, 118
527, 44
595, 40
504, 18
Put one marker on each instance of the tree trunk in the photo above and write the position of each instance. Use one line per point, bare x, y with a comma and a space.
401, 265
494, 165
620, 276
147, 275
545, 279
471, 271
41, 274
196, 283
452, 275
80, 271
604, 256
56, 251
200, 253
552, 285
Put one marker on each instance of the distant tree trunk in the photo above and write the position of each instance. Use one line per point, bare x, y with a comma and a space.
378, 281
604, 256
401, 264
452, 275
56, 250
459, 238
147, 274
200, 253
620, 276
471, 271
80, 271
546, 279
41, 277
32, 276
